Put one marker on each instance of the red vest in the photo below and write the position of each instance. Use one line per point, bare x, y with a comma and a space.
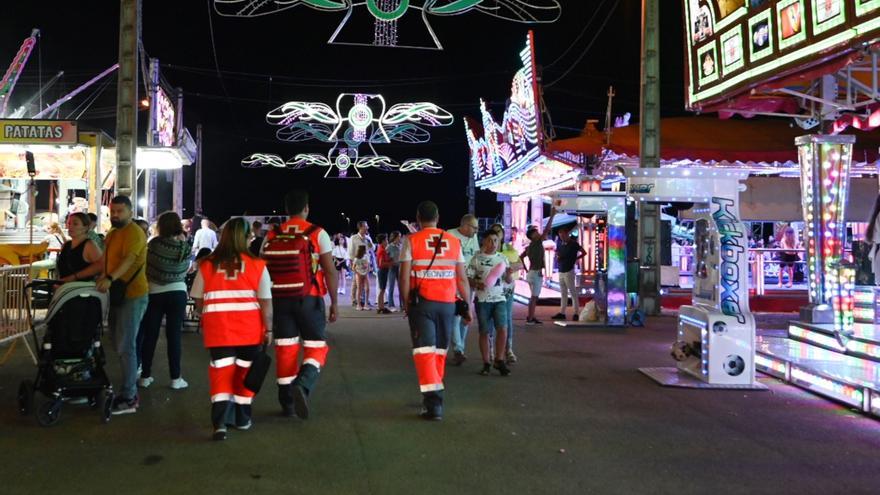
231, 312
437, 284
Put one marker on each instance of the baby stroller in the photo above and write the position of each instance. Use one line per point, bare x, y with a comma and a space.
70, 360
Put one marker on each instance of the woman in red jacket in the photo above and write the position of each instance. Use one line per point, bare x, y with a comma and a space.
233, 293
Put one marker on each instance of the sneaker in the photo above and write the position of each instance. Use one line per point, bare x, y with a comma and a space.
145, 382
575, 317
502, 368
300, 402
487, 368
533, 321
558, 316
219, 434
360, 308
246, 426
432, 414
179, 384
383, 311
121, 405
287, 410
511, 357
459, 358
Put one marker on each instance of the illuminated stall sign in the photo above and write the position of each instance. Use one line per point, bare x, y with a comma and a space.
735, 45
509, 157
165, 119
18, 131
52, 163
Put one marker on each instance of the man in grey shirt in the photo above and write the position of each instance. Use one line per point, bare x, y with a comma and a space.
466, 233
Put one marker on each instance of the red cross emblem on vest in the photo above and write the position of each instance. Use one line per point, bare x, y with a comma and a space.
435, 244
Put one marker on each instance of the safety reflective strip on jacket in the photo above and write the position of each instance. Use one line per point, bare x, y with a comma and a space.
435, 281
231, 313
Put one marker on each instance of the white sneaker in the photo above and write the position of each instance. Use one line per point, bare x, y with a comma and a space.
179, 384
145, 381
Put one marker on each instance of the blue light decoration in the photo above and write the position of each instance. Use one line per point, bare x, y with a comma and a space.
387, 14
358, 121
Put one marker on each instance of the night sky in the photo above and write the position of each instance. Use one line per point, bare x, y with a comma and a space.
267, 61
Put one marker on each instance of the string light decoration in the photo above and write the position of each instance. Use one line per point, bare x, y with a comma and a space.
358, 121
385, 14
496, 148
825, 168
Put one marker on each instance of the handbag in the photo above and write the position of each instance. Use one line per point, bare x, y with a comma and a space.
256, 374
414, 292
118, 287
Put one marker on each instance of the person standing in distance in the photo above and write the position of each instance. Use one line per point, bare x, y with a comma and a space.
535, 254
568, 254
298, 256
432, 271
361, 238
124, 259
466, 233
205, 237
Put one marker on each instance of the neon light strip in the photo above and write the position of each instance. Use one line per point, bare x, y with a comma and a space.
832, 388
815, 337
700, 325
694, 97
770, 366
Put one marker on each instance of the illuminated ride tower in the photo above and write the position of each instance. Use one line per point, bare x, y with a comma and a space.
825, 168
715, 343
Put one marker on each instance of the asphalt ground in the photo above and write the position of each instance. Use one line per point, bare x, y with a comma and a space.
575, 416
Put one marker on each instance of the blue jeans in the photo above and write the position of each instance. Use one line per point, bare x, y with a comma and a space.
171, 305
393, 273
124, 323
510, 322
459, 334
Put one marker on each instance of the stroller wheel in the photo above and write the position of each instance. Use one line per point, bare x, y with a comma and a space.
49, 413
105, 404
26, 397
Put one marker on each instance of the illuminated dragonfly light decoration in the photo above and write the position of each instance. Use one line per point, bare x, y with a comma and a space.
385, 14
359, 121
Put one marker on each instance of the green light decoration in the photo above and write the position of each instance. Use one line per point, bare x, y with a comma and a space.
358, 121
385, 14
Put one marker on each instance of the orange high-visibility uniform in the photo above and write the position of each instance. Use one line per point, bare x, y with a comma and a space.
436, 283
231, 317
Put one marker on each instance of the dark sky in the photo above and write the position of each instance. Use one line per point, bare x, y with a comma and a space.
267, 61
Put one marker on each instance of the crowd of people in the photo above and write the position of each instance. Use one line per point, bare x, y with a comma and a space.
254, 288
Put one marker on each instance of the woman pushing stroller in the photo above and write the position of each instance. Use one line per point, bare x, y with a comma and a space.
233, 292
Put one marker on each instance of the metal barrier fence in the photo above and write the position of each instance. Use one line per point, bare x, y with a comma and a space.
13, 307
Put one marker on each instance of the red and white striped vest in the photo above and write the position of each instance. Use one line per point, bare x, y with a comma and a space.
231, 311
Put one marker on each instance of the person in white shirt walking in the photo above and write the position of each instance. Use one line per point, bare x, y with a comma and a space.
488, 273
361, 238
466, 233
205, 237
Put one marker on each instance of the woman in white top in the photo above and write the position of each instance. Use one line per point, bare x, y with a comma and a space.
340, 258
873, 236
55, 238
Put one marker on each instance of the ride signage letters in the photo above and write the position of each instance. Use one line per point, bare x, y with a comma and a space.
19, 131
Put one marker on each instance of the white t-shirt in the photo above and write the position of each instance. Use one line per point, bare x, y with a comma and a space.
480, 267
355, 242
340, 252
263, 292
469, 245
204, 238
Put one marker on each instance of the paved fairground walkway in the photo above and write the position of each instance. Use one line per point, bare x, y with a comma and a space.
575, 416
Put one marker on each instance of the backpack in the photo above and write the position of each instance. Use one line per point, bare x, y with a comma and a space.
288, 258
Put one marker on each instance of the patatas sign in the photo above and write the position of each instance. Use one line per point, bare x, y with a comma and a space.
19, 131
